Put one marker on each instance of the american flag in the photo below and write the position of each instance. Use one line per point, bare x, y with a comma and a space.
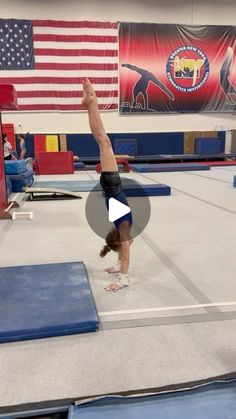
47, 60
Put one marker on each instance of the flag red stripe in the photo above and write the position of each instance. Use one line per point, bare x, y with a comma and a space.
38, 107
76, 52
71, 24
58, 93
57, 80
76, 66
74, 38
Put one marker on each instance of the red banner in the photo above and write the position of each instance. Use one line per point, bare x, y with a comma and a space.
177, 68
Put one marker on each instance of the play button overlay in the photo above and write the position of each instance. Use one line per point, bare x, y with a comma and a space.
101, 219
116, 210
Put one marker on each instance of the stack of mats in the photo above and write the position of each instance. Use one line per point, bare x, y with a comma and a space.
20, 173
39, 301
168, 167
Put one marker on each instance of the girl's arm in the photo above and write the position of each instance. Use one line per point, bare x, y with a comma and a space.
124, 257
123, 278
125, 241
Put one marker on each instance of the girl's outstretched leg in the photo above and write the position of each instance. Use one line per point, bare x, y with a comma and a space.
107, 158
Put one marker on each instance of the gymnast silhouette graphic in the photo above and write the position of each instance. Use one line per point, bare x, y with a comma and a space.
141, 87
228, 88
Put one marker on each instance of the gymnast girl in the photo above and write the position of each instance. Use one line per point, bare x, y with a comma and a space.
21, 139
119, 238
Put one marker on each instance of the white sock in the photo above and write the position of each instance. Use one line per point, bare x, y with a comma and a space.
123, 280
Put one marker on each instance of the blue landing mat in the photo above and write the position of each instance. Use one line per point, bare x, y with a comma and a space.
234, 181
168, 167
212, 401
70, 185
157, 189
38, 301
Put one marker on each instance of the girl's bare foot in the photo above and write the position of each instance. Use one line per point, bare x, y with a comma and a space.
89, 94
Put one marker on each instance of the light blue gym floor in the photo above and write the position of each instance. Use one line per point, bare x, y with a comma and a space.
174, 324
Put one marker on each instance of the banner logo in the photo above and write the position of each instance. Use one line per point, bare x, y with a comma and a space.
187, 69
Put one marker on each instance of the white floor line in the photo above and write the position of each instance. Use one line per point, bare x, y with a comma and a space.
149, 310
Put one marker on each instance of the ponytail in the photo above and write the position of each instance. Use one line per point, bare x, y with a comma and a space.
112, 243
104, 251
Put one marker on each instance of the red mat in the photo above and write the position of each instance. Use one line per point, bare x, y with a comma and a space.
55, 163
219, 163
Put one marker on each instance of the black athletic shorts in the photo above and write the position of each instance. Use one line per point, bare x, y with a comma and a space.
9, 157
111, 183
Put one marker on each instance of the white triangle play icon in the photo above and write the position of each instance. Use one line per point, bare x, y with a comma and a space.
116, 210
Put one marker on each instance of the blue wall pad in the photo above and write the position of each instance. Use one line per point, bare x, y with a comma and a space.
38, 301
205, 145
234, 181
83, 145
126, 146
212, 401
168, 167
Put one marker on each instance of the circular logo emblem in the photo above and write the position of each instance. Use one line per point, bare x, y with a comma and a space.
102, 219
187, 68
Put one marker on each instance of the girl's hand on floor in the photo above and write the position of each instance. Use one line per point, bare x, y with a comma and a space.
113, 287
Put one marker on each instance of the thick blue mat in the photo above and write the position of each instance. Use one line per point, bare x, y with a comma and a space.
70, 185
213, 401
234, 181
39, 301
168, 167
157, 189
